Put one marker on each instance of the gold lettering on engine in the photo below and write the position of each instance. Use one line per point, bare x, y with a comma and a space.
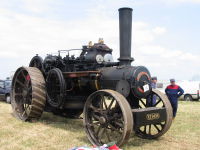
153, 116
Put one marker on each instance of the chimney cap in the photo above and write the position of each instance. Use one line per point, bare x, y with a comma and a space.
125, 8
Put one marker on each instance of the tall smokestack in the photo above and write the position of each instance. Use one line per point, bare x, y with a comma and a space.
125, 31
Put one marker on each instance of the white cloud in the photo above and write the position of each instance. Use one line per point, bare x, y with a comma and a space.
183, 1
141, 34
173, 2
159, 30
36, 6
23, 36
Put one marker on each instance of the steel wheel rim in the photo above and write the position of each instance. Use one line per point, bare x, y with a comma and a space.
28, 94
152, 131
117, 119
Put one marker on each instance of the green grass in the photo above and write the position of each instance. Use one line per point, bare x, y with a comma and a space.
58, 133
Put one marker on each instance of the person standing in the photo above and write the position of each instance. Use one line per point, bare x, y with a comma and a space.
154, 82
151, 101
173, 92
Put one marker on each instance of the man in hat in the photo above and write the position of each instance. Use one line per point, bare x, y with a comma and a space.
151, 101
173, 92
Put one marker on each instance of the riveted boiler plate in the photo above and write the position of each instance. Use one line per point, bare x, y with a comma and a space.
123, 87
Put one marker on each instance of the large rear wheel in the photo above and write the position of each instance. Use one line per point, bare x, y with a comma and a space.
28, 93
107, 118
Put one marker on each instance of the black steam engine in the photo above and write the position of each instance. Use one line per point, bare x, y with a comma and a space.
114, 97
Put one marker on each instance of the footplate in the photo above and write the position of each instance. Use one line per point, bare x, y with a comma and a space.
146, 116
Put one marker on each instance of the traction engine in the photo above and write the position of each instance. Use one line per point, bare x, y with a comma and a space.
114, 97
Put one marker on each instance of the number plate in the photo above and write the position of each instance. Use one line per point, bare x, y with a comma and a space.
146, 88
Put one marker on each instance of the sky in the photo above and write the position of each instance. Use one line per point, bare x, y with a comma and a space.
165, 36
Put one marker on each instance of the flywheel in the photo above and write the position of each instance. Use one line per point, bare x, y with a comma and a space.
56, 88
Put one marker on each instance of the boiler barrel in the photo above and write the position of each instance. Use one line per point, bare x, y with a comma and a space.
131, 78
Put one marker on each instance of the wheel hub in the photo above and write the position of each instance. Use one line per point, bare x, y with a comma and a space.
102, 120
24, 92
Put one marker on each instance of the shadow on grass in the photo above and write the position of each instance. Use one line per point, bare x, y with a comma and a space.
135, 141
72, 125
61, 122
76, 125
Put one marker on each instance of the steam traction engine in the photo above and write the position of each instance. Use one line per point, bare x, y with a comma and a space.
113, 96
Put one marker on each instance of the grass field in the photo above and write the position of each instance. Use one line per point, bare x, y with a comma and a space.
57, 133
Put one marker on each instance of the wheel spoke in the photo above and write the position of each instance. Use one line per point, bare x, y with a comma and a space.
142, 102
157, 128
94, 123
98, 130
22, 72
112, 128
145, 129
150, 129
140, 106
95, 116
101, 104
119, 123
95, 109
106, 107
25, 106
157, 102
101, 132
23, 113
111, 103
22, 84
108, 136
162, 125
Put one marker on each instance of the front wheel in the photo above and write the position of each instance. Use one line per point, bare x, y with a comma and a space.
155, 130
107, 118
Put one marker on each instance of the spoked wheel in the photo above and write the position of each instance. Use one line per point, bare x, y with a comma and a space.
56, 88
107, 117
152, 131
37, 62
28, 93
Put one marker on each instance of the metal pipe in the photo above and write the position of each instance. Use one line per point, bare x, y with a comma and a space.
125, 32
